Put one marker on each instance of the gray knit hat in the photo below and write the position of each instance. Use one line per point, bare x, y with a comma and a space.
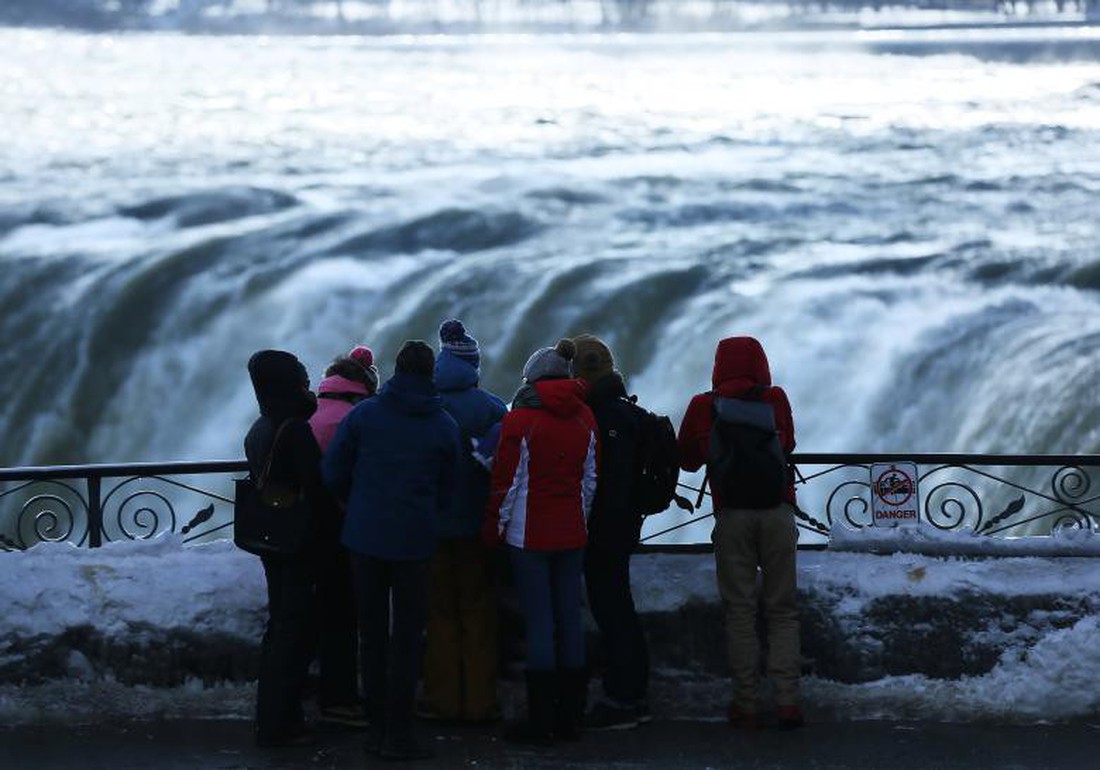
550, 363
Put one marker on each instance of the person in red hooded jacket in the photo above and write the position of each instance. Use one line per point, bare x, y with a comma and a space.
541, 492
749, 540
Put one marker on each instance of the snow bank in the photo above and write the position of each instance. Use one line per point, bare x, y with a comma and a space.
901, 636
1065, 541
53, 587
143, 613
1053, 681
665, 582
154, 629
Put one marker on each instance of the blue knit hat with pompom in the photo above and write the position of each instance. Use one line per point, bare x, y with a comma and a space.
453, 338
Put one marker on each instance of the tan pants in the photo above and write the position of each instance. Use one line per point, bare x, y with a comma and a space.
745, 540
460, 662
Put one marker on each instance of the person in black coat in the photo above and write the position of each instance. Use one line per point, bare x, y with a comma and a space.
613, 532
286, 403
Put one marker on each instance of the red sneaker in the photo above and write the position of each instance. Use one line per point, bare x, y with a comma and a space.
740, 720
789, 717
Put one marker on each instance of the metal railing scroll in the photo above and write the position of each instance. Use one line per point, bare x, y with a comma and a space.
89, 505
990, 495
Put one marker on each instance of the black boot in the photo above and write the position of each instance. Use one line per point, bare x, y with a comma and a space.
538, 728
400, 743
572, 694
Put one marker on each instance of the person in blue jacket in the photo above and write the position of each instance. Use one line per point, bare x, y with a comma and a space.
393, 460
460, 664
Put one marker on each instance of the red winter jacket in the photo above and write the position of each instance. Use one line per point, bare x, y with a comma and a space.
740, 364
544, 472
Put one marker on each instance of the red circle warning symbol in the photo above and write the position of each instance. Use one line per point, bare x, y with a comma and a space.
894, 487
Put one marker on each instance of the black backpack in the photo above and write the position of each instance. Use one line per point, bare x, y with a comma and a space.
747, 468
657, 466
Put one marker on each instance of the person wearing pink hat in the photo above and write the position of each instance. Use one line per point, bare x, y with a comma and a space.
348, 380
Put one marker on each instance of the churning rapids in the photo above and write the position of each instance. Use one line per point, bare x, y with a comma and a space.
908, 221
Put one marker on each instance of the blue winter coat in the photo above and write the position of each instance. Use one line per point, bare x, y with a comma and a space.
393, 460
476, 411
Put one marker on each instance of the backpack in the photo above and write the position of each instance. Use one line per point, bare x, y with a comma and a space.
748, 468
657, 466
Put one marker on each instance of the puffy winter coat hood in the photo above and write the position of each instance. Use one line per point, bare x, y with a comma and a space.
411, 394
338, 384
740, 364
393, 460
476, 411
453, 373
561, 398
614, 524
606, 388
544, 474
330, 411
281, 384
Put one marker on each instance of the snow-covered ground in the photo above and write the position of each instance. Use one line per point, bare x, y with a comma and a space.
213, 588
136, 593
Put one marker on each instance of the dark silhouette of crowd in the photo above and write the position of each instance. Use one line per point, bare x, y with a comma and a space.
427, 496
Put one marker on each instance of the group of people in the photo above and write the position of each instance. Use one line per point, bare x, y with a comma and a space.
415, 483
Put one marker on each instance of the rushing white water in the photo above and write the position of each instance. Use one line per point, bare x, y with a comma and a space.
907, 221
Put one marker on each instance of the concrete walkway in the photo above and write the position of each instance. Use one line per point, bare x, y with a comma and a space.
226, 745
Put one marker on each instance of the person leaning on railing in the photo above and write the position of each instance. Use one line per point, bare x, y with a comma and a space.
281, 443
754, 528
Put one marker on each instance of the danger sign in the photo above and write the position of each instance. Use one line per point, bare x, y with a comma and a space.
894, 498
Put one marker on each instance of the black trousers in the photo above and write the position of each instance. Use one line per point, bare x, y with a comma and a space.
393, 612
287, 646
337, 642
607, 579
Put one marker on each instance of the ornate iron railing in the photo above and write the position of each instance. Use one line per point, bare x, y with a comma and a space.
978, 491
987, 494
1005, 495
93, 504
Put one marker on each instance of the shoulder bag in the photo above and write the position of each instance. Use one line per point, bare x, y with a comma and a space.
270, 518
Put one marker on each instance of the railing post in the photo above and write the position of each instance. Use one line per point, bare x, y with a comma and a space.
95, 512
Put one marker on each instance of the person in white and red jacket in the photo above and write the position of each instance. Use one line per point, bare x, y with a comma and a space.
542, 488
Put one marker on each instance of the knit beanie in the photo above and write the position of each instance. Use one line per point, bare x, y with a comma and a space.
593, 360
416, 357
550, 363
453, 338
364, 356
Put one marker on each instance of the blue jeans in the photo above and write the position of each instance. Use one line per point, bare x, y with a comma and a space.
548, 584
